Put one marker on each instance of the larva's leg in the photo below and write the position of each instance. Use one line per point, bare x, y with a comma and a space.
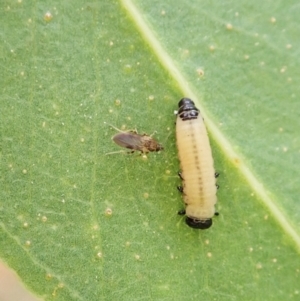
216, 174
217, 186
180, 175
181, 212
180, 189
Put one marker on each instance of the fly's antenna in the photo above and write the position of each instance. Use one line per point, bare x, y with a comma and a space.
120, 131
113, 127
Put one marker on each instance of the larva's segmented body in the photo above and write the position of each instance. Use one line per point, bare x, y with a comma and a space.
197, 167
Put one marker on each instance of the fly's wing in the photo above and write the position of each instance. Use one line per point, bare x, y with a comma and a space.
129, 140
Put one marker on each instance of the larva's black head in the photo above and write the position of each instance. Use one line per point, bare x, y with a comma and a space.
185, 102
187, 109
198, 223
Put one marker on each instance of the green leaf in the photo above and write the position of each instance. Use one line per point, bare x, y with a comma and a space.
78, 224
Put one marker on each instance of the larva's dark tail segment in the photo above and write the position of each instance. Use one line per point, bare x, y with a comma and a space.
198, 224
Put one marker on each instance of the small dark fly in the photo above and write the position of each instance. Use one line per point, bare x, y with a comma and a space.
136, 142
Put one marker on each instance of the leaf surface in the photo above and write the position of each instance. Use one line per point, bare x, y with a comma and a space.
77, 224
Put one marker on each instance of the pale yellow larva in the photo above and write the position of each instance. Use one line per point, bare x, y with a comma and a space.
197, 166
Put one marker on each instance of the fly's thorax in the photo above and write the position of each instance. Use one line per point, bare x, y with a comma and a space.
151, 144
